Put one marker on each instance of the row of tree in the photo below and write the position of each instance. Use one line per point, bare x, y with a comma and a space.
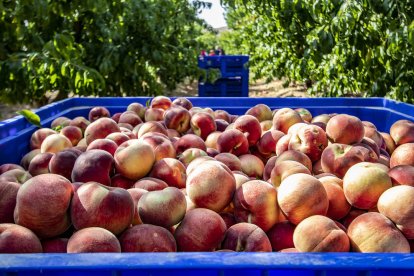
339, 47
96, 47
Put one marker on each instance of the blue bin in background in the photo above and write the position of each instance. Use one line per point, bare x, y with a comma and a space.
14, 143
234, 76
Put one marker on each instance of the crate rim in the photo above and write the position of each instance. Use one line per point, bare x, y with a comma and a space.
208, 260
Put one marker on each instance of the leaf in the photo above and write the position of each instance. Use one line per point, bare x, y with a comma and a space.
30, 116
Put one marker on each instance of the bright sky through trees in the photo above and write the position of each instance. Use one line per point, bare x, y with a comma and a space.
214, 16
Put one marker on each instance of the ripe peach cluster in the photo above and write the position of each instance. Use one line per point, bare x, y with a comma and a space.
173, 177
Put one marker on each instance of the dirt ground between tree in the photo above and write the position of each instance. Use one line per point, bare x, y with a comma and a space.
256, 89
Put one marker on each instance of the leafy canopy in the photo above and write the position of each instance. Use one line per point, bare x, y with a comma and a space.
339, 47
96, 47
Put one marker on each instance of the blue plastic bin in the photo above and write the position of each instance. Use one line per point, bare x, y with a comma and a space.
14, 143
234, 80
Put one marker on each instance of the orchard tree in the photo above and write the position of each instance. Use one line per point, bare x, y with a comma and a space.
99, 47
361, 47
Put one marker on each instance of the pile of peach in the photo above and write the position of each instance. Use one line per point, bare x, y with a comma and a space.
173, 177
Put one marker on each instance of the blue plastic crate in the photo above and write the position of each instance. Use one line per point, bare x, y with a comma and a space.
15, 133
230, 87
14, 143
232, 68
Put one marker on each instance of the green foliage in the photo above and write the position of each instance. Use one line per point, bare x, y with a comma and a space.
339, 48
100, 47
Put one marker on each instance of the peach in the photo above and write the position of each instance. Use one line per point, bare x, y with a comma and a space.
364, 183
93, 240
163, 208
221, 125
304, 114
172, 133
121, 182
138, 108
116, 117
373, 232
284, 118
310, 140
266, 125
211, 140
345, 129
62, 163
267, 143
161, 102
403, 155
97, 205
104, 144
134, 159
136, 194
189, 141
211, 186
147, 238
40, 163
402, 175
281, 235
323, 118
246, 237
402, 132
55, 143
289, 250
97, 113
317, 168
200, 230
73, 133
178, 119
282, 144
240, 179
93, 165
301, 196
397, 204
100, 129
353, 214
8, 167
160, 144
261, 112
197, 162
256, 202
370, 131
190, 154
320, 234
233, 141
60, 122
338, 158
150, 184
8, 194
389, 142
283, 169
150, 127
15, 239
118, 138
212, 152
80, 122
228, 218
130, 117
269, 167
170, 170
250, 127
15, 175
222, 115
203, 124
56, 245
230, 160
293, 155
42, 205
251, 165
338, 205
184, 102
293, 130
